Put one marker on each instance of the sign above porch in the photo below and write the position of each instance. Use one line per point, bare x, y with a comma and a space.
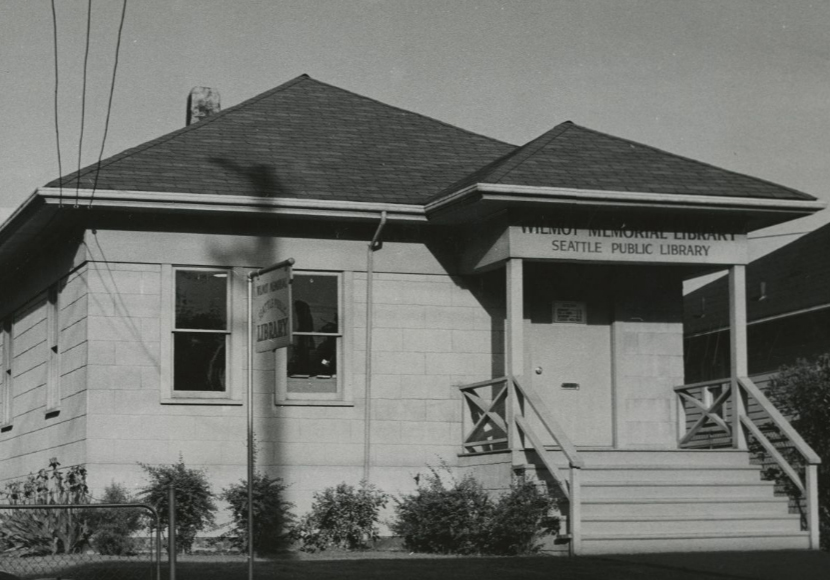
567, 242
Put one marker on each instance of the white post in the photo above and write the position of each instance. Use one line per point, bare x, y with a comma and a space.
514, 353
737, 338
575, 512
811, 493
681, 418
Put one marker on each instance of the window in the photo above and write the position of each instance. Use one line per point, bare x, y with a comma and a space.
201, 331
6, 376
311, 364
53, 392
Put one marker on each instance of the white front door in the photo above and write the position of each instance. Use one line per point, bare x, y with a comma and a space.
569, 341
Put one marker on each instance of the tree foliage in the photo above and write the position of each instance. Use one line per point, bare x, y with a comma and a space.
195, 508
272, 514
802, 391
113, 528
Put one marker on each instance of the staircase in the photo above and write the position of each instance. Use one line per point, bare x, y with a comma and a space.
678, 501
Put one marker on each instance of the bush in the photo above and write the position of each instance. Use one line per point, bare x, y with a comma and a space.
195, 508
272, 514
113, 528
463, 519
342, 517
802, 392
37, 532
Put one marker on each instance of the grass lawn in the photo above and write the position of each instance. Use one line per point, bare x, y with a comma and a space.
404, 566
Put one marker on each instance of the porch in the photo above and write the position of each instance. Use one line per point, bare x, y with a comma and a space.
703, 491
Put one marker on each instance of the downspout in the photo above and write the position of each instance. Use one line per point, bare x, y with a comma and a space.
374, 245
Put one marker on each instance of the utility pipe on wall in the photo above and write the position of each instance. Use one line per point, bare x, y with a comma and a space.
367, 410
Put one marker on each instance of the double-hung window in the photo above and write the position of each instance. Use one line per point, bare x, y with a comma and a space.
311, 362
201, 332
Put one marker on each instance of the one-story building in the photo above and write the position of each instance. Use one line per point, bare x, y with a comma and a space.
503, 309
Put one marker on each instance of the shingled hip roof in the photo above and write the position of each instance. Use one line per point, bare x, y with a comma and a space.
302, 139
309, 140
573, 157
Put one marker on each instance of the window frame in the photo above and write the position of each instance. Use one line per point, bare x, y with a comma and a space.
283, 397
169, 395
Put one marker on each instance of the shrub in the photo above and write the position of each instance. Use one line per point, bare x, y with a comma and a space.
195, 507
444, 520
342, 517
520, 518
59, 531
463, 519
113, 528
272, 514
802, 391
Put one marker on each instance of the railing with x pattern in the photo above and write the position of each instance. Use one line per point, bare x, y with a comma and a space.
500, 410
723, 413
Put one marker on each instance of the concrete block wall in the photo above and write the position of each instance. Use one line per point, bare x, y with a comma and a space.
34, 435
650, 365
431, 332
648, 358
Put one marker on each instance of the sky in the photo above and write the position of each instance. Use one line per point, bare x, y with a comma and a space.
741, 84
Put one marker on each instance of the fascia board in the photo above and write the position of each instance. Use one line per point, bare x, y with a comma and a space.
520, 193
198, 202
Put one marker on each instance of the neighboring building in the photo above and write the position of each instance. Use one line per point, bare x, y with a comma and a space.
788, 311
559, 263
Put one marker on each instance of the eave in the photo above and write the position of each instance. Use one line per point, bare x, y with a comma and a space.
484, 199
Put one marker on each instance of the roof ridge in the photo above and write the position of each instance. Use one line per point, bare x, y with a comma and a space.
407, 111
530, 148
181, 130
691, 159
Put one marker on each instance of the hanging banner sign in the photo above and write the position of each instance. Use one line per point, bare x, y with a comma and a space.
271, 310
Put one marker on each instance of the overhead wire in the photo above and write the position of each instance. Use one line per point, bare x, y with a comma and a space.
57, 125
83, 102
109, 104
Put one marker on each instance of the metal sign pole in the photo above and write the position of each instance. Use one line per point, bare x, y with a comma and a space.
250, 430
268, 329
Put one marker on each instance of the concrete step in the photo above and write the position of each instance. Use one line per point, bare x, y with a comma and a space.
725, 474
680, 506
676, 524
693, 542
658, 457
668, 489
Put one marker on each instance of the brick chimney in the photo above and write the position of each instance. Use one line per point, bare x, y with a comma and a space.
202, 102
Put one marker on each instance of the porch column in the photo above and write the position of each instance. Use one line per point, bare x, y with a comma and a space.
737, 340
514, 338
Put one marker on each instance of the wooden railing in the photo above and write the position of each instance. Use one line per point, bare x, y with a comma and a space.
500, 411
710, 417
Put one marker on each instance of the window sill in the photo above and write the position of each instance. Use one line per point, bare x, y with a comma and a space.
312, 403
199, 401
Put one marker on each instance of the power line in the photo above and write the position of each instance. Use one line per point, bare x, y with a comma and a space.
109, 104
57, 126
83, 102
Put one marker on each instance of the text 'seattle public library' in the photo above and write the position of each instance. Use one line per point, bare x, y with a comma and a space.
504, 309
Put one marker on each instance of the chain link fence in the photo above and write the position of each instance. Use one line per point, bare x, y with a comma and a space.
80, 542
